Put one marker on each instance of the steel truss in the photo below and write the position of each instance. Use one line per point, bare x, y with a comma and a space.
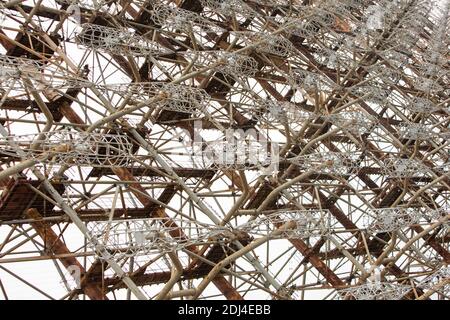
244, 149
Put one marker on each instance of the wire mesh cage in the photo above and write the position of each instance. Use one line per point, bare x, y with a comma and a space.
66, 147
88, 4
244, 121
421, 105
307, 80
436, 281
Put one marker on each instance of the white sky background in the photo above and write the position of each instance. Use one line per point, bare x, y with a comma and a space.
42, 274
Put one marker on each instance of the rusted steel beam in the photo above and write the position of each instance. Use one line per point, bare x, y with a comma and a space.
54, 245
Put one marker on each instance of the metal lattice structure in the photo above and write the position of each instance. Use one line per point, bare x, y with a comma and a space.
244, 149
375, 291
